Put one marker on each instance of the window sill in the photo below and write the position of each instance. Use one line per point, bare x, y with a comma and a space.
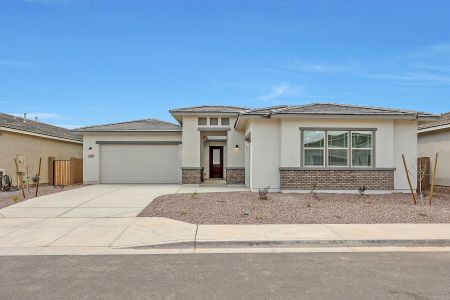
335, 169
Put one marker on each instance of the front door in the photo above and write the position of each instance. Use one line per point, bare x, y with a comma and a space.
215, 161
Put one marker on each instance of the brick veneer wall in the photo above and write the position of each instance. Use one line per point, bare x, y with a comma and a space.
375, 179
235, 176
442, 189
191, 176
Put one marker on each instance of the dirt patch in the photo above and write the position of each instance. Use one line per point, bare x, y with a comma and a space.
245, 208
13, 197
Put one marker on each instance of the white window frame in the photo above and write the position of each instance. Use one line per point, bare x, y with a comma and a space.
315, 148
350, 148
371, 148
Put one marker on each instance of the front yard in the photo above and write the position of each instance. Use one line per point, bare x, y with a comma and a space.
311, 208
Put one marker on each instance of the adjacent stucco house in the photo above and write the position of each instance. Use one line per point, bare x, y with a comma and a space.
319, 146
435, 138
30, 140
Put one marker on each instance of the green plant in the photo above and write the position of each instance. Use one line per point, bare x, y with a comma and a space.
263, 193
422, 215
194, 195
308, 205
15, 198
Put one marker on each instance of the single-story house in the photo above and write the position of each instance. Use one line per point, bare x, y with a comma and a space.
320, 146
435, 138
28, 140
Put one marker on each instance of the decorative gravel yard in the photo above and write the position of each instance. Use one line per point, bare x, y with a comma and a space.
311, 208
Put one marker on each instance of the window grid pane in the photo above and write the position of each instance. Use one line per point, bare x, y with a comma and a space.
225, 121
201, 121
213, 121
341, 148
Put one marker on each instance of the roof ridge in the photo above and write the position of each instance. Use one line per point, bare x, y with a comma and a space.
368, 107
202, 106
164, 121
124, 122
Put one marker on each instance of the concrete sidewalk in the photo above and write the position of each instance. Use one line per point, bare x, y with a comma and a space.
41, 236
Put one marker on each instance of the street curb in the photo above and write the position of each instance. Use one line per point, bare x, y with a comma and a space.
295, 243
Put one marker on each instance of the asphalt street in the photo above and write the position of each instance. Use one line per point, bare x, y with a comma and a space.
228, 276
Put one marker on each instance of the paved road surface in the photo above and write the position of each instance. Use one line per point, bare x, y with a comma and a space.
228, 276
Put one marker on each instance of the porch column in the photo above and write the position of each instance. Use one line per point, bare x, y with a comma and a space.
190, 152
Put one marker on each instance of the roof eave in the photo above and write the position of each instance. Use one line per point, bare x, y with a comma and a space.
100, 131
2, 128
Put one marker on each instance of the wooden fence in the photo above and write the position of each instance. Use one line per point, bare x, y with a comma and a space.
65, 172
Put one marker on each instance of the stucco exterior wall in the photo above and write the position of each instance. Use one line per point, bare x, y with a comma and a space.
437, 142
265, 154
235, 157
277, 143
33, 147
405, 142
91, 165
191, 143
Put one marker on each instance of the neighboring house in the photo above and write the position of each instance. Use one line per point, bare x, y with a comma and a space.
308, 147
435, 138
28, 140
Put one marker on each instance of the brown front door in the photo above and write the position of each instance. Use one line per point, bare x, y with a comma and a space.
215, 161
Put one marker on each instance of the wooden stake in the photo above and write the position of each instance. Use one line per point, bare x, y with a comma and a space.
38, 177
20, 178
434, 178
409, 180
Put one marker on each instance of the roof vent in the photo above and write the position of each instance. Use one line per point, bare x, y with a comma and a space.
24, 117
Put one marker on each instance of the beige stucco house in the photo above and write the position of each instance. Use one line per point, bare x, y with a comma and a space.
435, 138
319, 146
28, 140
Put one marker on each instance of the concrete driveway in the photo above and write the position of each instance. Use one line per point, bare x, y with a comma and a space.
92, 218
95, 201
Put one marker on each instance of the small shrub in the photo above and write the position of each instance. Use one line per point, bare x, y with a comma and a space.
194, 195
338, 217
308, 205
362, 190
263, 193
422, 215
183, 212
15, 198
313, 192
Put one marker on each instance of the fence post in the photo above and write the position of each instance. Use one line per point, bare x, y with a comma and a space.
73, 170
51, 161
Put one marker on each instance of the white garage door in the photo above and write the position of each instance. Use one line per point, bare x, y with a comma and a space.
140, 164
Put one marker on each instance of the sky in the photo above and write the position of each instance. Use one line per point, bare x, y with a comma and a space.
76, 63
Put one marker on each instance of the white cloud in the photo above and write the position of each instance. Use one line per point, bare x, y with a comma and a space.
282, 90
319, 67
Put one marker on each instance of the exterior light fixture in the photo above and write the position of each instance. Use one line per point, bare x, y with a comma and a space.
90, 149
237, 147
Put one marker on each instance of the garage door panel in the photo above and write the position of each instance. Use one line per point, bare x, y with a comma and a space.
140, 164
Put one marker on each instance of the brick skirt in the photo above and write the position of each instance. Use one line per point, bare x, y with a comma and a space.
351, 179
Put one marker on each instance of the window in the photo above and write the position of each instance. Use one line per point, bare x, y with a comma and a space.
214, 121
314, 145
201, 121
225, 121
361, 149
337, 148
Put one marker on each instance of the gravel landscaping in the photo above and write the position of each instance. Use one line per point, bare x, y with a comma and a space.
13, 197
311, 208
